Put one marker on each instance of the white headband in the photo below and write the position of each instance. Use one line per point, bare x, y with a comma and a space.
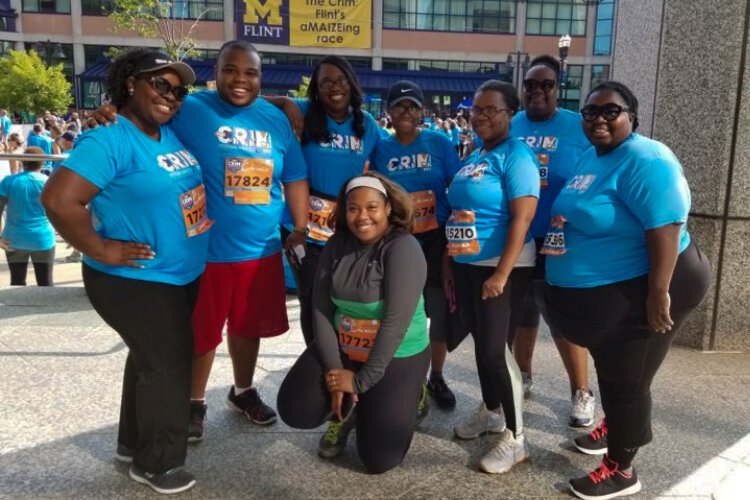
366, 181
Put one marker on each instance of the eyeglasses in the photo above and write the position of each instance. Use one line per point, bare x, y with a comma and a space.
489, 111
163, 87
609, 111
531, 85
400, 109
328, 84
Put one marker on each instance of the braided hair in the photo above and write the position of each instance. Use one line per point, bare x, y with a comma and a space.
121, 69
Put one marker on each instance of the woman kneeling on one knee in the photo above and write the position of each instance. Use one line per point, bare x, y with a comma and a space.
370, 345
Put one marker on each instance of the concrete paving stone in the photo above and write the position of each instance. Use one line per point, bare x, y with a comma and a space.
704, 481
735, 485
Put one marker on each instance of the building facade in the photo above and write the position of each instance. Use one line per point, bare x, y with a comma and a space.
449, 45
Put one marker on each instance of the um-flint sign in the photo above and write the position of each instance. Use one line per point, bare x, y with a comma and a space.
306, 23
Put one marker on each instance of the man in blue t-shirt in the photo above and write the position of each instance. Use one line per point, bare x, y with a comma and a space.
37, 138
5, 125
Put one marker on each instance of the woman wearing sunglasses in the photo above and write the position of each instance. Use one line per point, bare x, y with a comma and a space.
143, 256
623, 276
493, 200
423, 162
556, 138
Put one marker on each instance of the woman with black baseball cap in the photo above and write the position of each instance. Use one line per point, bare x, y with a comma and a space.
143, 258
423, 162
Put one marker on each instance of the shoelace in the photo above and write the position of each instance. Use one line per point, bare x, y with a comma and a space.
600, 431
503, 448
332, 434
422, 399
602, 473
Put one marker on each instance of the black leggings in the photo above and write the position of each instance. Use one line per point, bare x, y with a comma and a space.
611, 322
153, 320
386, 413
305, 277
18, 264
489, 322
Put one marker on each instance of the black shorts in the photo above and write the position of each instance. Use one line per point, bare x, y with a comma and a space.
433, 245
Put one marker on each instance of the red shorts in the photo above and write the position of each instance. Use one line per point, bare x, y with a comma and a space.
249, 296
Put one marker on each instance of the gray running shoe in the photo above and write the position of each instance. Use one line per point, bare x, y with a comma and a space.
505, 454
173, 481
480, 422
582, 410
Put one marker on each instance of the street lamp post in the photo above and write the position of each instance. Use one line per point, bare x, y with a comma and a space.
516, 67
50, 51
564, 45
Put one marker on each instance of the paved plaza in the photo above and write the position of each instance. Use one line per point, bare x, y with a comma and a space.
61, 369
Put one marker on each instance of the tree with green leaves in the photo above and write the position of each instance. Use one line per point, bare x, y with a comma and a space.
28, 86
302, 89
162, 19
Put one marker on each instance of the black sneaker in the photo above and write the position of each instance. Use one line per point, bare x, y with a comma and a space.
595, 442
250, 404
608, 481
423, 406
174, 480
197, 417
441, 393
333, 442
124, 454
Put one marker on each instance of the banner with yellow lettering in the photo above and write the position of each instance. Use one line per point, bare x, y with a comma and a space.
306, 23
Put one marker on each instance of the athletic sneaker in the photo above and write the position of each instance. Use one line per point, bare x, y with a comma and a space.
608, 481
197, 417
333, 442
505, 454
174, 480
441, 393
250, 404
528, 383
480, 422
595, 442
124, 454
423, 406
582, 410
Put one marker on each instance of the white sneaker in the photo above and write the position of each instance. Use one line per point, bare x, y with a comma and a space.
583, 406
507, 452
481, 421
528, 383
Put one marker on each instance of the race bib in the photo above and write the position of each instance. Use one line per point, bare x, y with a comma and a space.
320, 211
424, 210
193, 204
543, 169
248, 180
461, 232
554, 241
357, 336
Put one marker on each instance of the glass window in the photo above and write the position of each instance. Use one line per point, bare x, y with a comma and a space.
570, 96
482, 16
211, 10
5, 47
556, 17
291, 59
97, 7
450, 66
47, 6
599, 74
603, 37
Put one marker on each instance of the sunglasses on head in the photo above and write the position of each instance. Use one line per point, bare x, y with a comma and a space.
609, 111
163, 87
531, 85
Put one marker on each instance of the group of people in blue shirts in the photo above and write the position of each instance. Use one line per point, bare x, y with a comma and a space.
188, 192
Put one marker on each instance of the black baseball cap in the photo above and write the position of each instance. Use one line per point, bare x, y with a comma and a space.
70, 136
155, 61
404, 90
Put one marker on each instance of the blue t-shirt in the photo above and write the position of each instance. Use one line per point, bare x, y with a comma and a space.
486, 185
252, 145
455, 136
427, 164
330, 164
6, 125
26, 225
146, 186
608, 204
558, 143
45, 143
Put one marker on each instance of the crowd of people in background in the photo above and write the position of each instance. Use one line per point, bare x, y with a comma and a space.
405, 234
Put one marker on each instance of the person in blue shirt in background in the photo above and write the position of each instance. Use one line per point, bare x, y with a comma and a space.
423, 162
38, 138
144, 254
623, 276
555, 135
493, 200
27, 233
6, 125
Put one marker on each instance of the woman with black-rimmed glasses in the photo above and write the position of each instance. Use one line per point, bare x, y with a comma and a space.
493, 199
623, 276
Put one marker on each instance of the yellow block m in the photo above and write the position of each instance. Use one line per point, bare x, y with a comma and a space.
255, 10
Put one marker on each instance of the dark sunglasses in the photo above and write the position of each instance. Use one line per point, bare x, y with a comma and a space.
531, 85
609, 111
163, 87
